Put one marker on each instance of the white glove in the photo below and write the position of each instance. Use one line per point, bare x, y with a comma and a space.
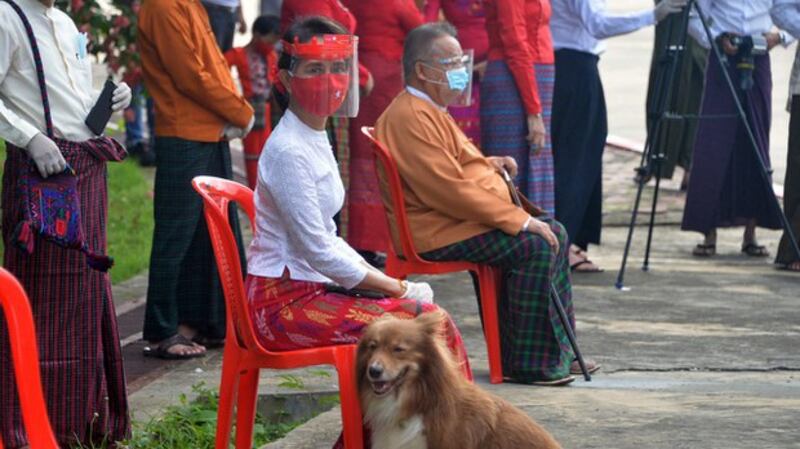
121, 98
667, 7
46, 155
421, 291
231, 132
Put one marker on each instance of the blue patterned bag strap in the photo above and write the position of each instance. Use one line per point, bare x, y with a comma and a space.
37, 59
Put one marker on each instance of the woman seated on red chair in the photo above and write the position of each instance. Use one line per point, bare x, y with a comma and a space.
296, 254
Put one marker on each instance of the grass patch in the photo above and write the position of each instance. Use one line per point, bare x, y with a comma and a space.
130, 218
193, 424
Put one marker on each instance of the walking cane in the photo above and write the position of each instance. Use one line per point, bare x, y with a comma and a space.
555, 299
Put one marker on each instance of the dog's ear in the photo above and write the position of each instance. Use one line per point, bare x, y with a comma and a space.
431, 322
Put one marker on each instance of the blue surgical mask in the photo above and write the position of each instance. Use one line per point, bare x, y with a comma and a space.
457, 79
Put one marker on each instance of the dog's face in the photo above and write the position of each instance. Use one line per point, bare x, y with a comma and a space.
392, 351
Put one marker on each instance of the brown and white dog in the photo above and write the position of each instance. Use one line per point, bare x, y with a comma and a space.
414, 396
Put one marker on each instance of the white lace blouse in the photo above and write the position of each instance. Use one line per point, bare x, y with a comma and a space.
299, 191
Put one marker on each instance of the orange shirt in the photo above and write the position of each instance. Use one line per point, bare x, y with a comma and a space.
186, 73
452, 192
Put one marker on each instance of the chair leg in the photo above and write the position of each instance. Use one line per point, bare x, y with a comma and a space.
246, 408
227, 396
394, 267
352, 420
488, 278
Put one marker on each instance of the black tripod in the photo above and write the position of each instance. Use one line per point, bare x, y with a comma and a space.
653, 156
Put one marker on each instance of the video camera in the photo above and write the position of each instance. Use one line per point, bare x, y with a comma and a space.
747, 48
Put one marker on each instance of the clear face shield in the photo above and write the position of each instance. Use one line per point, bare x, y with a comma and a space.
324, 75
457, 72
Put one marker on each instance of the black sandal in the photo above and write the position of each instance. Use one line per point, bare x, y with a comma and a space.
705, 250
753, 249
595, 269
162, 350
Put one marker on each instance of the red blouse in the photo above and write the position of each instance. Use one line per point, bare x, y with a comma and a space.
469, 18
332, 9
519, 33
382, 26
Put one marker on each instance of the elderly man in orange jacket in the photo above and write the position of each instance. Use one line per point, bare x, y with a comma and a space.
459, 208
199, 109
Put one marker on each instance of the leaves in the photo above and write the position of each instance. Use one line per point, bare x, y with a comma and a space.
112, 33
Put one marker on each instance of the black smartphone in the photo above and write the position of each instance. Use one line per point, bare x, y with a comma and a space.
101, 111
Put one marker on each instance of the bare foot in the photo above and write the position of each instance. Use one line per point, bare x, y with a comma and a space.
794, 266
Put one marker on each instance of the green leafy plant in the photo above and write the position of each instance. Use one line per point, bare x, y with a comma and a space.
192, 424
111, 29
292, 382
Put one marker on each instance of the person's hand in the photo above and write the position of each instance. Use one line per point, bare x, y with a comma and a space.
46, 155
667, 7
773, 40
480, 69
121, 98
368, 86
727, 46
231, 132
536, 131
543, 230
421, 291
504, 162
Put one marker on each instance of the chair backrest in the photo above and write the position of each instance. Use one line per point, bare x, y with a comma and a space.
217, 194
25, 356
389, 166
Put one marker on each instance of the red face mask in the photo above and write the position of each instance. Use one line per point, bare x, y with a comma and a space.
320, 95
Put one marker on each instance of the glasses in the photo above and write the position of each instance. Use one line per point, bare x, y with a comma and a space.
453, 62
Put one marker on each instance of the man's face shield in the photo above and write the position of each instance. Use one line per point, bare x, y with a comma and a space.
456, 77
324, 75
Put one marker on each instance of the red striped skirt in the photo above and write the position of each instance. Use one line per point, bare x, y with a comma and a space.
289, 314
76, 326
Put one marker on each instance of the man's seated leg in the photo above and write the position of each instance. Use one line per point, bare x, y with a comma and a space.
535, 346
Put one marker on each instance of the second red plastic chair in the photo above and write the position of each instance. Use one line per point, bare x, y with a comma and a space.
25, 357
411, 263
243, 355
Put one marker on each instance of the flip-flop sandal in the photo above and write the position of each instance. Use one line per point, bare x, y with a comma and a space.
554, 382
793, 267
591, 366
161, 351
705, 250
595, 269
755, 250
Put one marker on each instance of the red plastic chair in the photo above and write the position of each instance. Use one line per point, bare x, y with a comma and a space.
243, 355
25, 356
411, 263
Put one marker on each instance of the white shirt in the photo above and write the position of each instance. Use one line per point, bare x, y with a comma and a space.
299, 191
67, 74
739, 17
420, 94
582, 24
786, 15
